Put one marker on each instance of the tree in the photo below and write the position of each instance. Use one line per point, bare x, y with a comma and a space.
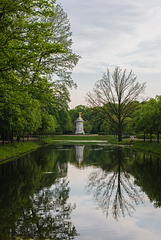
116, 96
158, 117
87, 126
20, 114
62, 63
35, 48
59, 68
147, 119
22, 47
23, 30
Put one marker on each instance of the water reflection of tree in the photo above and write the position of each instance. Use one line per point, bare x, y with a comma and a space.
115, 188
48, 215
147, 172
33, 198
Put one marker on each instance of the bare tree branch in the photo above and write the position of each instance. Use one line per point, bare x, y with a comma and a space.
118, 92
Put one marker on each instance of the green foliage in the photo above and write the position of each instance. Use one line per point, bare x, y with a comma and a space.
20, 113
87, 126
49, 123
147, 119
35, 47
65, 125
102, 133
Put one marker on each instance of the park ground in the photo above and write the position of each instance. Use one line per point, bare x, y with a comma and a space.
10, 151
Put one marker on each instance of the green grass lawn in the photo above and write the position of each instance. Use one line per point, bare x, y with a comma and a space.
14, 149
76, 139
80, 137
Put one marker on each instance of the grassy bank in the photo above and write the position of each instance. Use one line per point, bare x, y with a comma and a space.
94, 137
147, 146
14, 149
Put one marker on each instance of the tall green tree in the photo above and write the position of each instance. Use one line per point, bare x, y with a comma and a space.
60, 65
22, 41
23, 31
35, 47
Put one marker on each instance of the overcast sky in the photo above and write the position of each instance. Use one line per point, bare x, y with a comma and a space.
111, 33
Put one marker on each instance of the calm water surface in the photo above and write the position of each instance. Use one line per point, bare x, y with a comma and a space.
81, 192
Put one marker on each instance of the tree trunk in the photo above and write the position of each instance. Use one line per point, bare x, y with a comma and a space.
158, 137
150, 137
144, 136
2, 136
119, 127
11, 137
120, 134
18, 138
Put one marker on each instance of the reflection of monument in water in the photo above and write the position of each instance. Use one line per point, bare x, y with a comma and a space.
79, 125
79, 153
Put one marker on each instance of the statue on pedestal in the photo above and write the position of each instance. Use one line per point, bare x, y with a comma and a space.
79, 125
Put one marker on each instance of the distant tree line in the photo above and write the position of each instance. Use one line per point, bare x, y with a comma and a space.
145, 122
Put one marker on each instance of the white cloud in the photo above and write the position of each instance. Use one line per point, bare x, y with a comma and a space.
116, 33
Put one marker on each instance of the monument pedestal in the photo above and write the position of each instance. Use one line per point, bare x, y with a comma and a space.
79, 125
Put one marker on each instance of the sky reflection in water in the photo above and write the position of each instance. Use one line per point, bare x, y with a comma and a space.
94, 218
81, 192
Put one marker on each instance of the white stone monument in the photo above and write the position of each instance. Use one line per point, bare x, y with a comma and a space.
79, 125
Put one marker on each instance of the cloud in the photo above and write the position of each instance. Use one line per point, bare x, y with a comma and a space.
116, 33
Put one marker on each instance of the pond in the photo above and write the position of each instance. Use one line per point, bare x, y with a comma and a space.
82, 192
